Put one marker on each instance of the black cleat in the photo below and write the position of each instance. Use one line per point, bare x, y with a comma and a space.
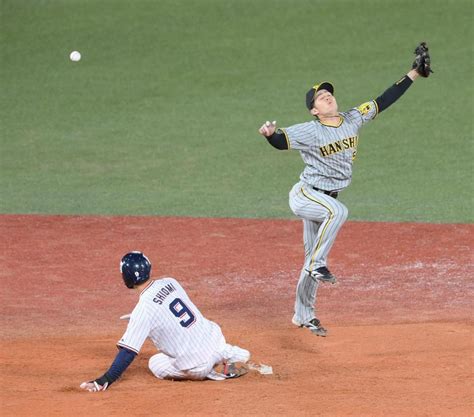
314, 325
234, 370
324, 275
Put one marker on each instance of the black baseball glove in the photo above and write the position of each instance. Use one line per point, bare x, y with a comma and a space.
422, 62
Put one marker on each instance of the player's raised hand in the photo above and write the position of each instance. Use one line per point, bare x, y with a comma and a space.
268, 128
93, 386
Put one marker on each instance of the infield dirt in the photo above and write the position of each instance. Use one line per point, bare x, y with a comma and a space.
400, 318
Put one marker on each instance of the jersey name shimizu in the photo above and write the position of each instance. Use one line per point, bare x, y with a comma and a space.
339, 146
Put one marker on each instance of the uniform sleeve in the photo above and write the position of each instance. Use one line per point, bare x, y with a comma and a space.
364, 113
121, 362
393, 93
301, 136
138, 329
278, 140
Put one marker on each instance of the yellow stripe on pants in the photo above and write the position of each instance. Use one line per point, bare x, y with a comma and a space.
331, 217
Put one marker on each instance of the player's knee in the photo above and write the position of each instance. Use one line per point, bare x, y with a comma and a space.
157, 367
346, 213
235, 354
342, 213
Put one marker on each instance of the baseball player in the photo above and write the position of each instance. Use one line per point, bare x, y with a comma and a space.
328, 145
190, 345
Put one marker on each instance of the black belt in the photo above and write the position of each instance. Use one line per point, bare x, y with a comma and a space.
332, 194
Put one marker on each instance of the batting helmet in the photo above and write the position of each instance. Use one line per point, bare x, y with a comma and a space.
135, 268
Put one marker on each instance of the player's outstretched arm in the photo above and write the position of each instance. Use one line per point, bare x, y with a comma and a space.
393, 93
420, 67
121, 362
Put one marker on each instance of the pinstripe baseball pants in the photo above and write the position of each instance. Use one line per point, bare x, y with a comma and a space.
163, 367
323, 216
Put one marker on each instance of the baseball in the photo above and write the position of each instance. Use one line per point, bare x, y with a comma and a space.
75, 56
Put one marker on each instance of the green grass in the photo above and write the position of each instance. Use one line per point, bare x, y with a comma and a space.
160, 116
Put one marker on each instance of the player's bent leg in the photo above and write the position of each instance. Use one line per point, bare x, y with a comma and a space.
336, 215
310, 233
327, 240
235, 354
323, 216
200, 372
162, 366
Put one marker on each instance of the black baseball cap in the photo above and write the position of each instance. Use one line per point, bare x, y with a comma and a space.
325, 85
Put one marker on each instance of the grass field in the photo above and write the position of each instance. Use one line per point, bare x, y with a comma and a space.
158, 124
160, 117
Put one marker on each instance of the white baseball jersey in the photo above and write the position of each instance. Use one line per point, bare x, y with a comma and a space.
168, 317
328, 151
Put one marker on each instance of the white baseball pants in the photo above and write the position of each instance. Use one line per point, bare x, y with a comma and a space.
163, 366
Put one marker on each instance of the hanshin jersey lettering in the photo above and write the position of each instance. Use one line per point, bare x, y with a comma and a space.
328, 151
174, 324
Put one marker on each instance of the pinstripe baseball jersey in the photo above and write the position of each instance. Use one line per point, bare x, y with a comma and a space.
328, 151
167, 316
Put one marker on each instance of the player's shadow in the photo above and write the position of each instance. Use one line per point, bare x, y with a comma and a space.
300, 340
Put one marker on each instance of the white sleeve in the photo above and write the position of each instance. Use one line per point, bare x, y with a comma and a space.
138, 329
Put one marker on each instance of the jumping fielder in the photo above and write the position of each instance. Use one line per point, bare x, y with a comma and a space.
190, 345
328, 145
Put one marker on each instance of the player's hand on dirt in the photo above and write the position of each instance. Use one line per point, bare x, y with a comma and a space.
268, 128
93, 386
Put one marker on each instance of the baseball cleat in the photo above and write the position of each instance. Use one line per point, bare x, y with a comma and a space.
227, 370
324, 275
314, 325
234, 370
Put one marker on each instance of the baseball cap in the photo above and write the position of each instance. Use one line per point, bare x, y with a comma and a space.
325, 85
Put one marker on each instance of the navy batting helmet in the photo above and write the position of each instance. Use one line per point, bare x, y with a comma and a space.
135, 268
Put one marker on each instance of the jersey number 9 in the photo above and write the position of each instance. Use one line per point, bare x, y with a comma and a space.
181, 310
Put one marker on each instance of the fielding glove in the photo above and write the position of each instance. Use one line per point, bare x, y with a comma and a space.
422, 63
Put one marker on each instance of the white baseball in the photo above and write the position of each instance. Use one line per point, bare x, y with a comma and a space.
75, 56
